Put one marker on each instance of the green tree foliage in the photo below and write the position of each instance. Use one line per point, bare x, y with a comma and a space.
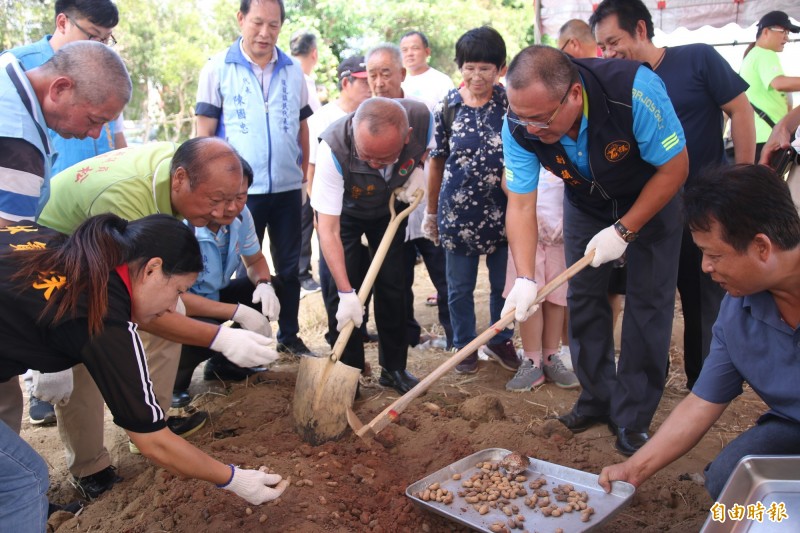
166, 43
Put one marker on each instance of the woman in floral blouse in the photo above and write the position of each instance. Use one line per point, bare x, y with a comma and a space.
467, 202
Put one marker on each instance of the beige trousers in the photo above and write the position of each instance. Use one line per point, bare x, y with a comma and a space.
11, 403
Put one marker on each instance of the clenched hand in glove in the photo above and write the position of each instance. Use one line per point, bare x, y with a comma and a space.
608, 246
270, 306
415, 182
350, 308
244, 348
255, 486
430, 229
521, 298
53, 387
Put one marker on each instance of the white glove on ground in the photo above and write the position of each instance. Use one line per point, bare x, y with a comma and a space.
608, 245
350, 308
256, 486
53, 387
430, 229
252, 320
416, 181
270, 305
244, 348
521, 298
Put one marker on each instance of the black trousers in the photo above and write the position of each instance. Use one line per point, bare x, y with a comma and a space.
240, 290
433, 256
388, 291
306, 229
700, 299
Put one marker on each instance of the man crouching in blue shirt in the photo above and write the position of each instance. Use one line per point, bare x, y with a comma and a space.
744, 221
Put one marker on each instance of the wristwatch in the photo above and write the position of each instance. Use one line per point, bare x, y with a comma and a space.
626, 234
264, 281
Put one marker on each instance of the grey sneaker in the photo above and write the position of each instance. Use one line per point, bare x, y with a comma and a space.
308, 286
528, 376
560, 375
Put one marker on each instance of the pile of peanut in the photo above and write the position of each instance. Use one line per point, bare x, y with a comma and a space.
489, 489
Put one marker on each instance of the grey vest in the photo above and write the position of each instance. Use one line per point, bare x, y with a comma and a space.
366, 193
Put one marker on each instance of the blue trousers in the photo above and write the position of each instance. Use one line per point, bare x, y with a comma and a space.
278, 215
629, 393
462, 273
772, 435
23, 485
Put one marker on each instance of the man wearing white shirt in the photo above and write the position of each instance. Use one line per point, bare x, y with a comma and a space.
422, 81
361, 159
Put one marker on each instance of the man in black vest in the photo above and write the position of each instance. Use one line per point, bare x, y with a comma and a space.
608, 129
361, 159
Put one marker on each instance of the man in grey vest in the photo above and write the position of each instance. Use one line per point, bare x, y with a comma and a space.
361, 159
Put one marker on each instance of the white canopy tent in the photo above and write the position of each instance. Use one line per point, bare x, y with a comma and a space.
668, 15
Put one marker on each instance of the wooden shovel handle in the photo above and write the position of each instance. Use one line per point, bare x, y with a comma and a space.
375, 265
398, 406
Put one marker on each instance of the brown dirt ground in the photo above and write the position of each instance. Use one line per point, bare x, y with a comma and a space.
350, 485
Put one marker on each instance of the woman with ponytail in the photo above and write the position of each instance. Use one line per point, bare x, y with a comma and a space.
80, 299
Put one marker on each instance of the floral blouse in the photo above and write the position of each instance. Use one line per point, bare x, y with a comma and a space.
472, 204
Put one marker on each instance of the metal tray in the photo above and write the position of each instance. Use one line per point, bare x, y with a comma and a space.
605, 505
765, 479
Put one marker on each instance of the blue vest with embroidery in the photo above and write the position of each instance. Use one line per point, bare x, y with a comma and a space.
21, 118
70, 151
618, 171
264, 133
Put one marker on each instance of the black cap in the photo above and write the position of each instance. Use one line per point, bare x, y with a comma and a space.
352, 66
778, 18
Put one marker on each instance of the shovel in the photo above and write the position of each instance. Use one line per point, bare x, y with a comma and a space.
389, 414
325, 386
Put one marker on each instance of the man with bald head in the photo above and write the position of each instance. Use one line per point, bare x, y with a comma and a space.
198, 181
361, 159
83, 86
575, 39
608, 129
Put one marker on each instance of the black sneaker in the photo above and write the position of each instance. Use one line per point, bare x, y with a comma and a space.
90, 487
182, 426
180, 399
295, 347
219, 368
40, 412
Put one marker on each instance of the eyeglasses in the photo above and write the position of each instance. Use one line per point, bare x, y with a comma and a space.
778, 29
108, 40
375, 162
513, 118
482, 71
565, 44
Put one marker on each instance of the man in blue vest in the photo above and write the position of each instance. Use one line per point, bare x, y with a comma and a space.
76, 20
254, 96
608, 129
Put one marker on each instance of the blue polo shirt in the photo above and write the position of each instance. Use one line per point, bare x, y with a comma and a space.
522, 166
752, 343
222, 253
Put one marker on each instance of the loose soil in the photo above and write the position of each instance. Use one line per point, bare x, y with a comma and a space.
352, 485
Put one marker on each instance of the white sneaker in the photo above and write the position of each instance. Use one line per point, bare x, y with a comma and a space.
566, 357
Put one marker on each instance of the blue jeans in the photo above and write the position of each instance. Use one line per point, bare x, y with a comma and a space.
772, 435
462, 273
279, 215
23, 485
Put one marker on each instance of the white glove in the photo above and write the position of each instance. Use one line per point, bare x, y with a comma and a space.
350, 308
53, 387
552, 234
256, 486
244, 348
303, 193
608, 245
430, 229
252, 320
415, 182
270, 305
521, 298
